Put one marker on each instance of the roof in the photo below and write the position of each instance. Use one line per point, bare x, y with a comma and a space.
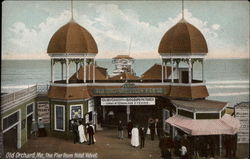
226, 125
72, 38
183, 38
188, 92
124, 76
122, 57
200, 105
68, 93
154, 73
100, 73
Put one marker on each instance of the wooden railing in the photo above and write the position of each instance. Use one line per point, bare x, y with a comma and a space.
23, 94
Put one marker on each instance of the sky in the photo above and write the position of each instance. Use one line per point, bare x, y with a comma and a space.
27, 26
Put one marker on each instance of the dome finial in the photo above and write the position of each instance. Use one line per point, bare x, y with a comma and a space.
72, 13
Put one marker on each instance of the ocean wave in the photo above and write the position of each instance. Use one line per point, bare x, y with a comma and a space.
229, 94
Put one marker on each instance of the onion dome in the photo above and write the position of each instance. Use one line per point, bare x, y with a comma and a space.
72, 38
183, 38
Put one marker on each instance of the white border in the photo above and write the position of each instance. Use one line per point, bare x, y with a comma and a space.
55, 117
18, 127
81, 105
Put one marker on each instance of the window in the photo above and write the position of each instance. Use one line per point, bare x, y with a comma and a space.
59, 117
29, 109
10, 120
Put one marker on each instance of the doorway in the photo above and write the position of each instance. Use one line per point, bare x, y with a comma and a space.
10, 139
29, 124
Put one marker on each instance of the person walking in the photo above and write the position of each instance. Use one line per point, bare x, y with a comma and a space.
34, 128
81, 132
120, 130
90, 132
157, 128
129, 128
142, 134
135, 137
152, 128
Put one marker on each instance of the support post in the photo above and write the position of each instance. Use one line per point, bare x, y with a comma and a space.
202, 62
52, 70
62, 69
103, 113
84, 70
77, 70
162, 80
177, 70
172, 71
220, 145
189, 70
166, 71
128, 112
67, 71
94, 70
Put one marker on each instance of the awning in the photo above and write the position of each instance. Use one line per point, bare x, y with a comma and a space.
226, 125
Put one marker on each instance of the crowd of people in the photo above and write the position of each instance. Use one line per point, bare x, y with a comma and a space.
137, 133
82, 133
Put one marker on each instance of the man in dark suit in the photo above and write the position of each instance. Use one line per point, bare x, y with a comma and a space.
74, 128
90, 132
142, 136
129, 128
152, 129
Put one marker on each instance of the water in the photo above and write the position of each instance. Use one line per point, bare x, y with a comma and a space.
227, 79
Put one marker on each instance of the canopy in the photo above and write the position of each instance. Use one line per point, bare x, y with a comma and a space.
226, 125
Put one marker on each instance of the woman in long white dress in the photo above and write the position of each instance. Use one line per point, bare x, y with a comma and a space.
82, 136
135, 137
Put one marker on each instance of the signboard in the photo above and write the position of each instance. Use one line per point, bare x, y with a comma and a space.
43, 111
120, 91
76, 112
128, 101
242, 113
91, 105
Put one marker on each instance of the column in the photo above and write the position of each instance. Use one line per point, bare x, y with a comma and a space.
67, 70
166, 71
103, 113
89, 70
128, 112
202, 62
77, 70
62, 69
189, 70
93, 70
52, 70
172, 71
84, 70
162, 70
177, 70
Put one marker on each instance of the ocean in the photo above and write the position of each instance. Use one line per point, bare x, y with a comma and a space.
227, 79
